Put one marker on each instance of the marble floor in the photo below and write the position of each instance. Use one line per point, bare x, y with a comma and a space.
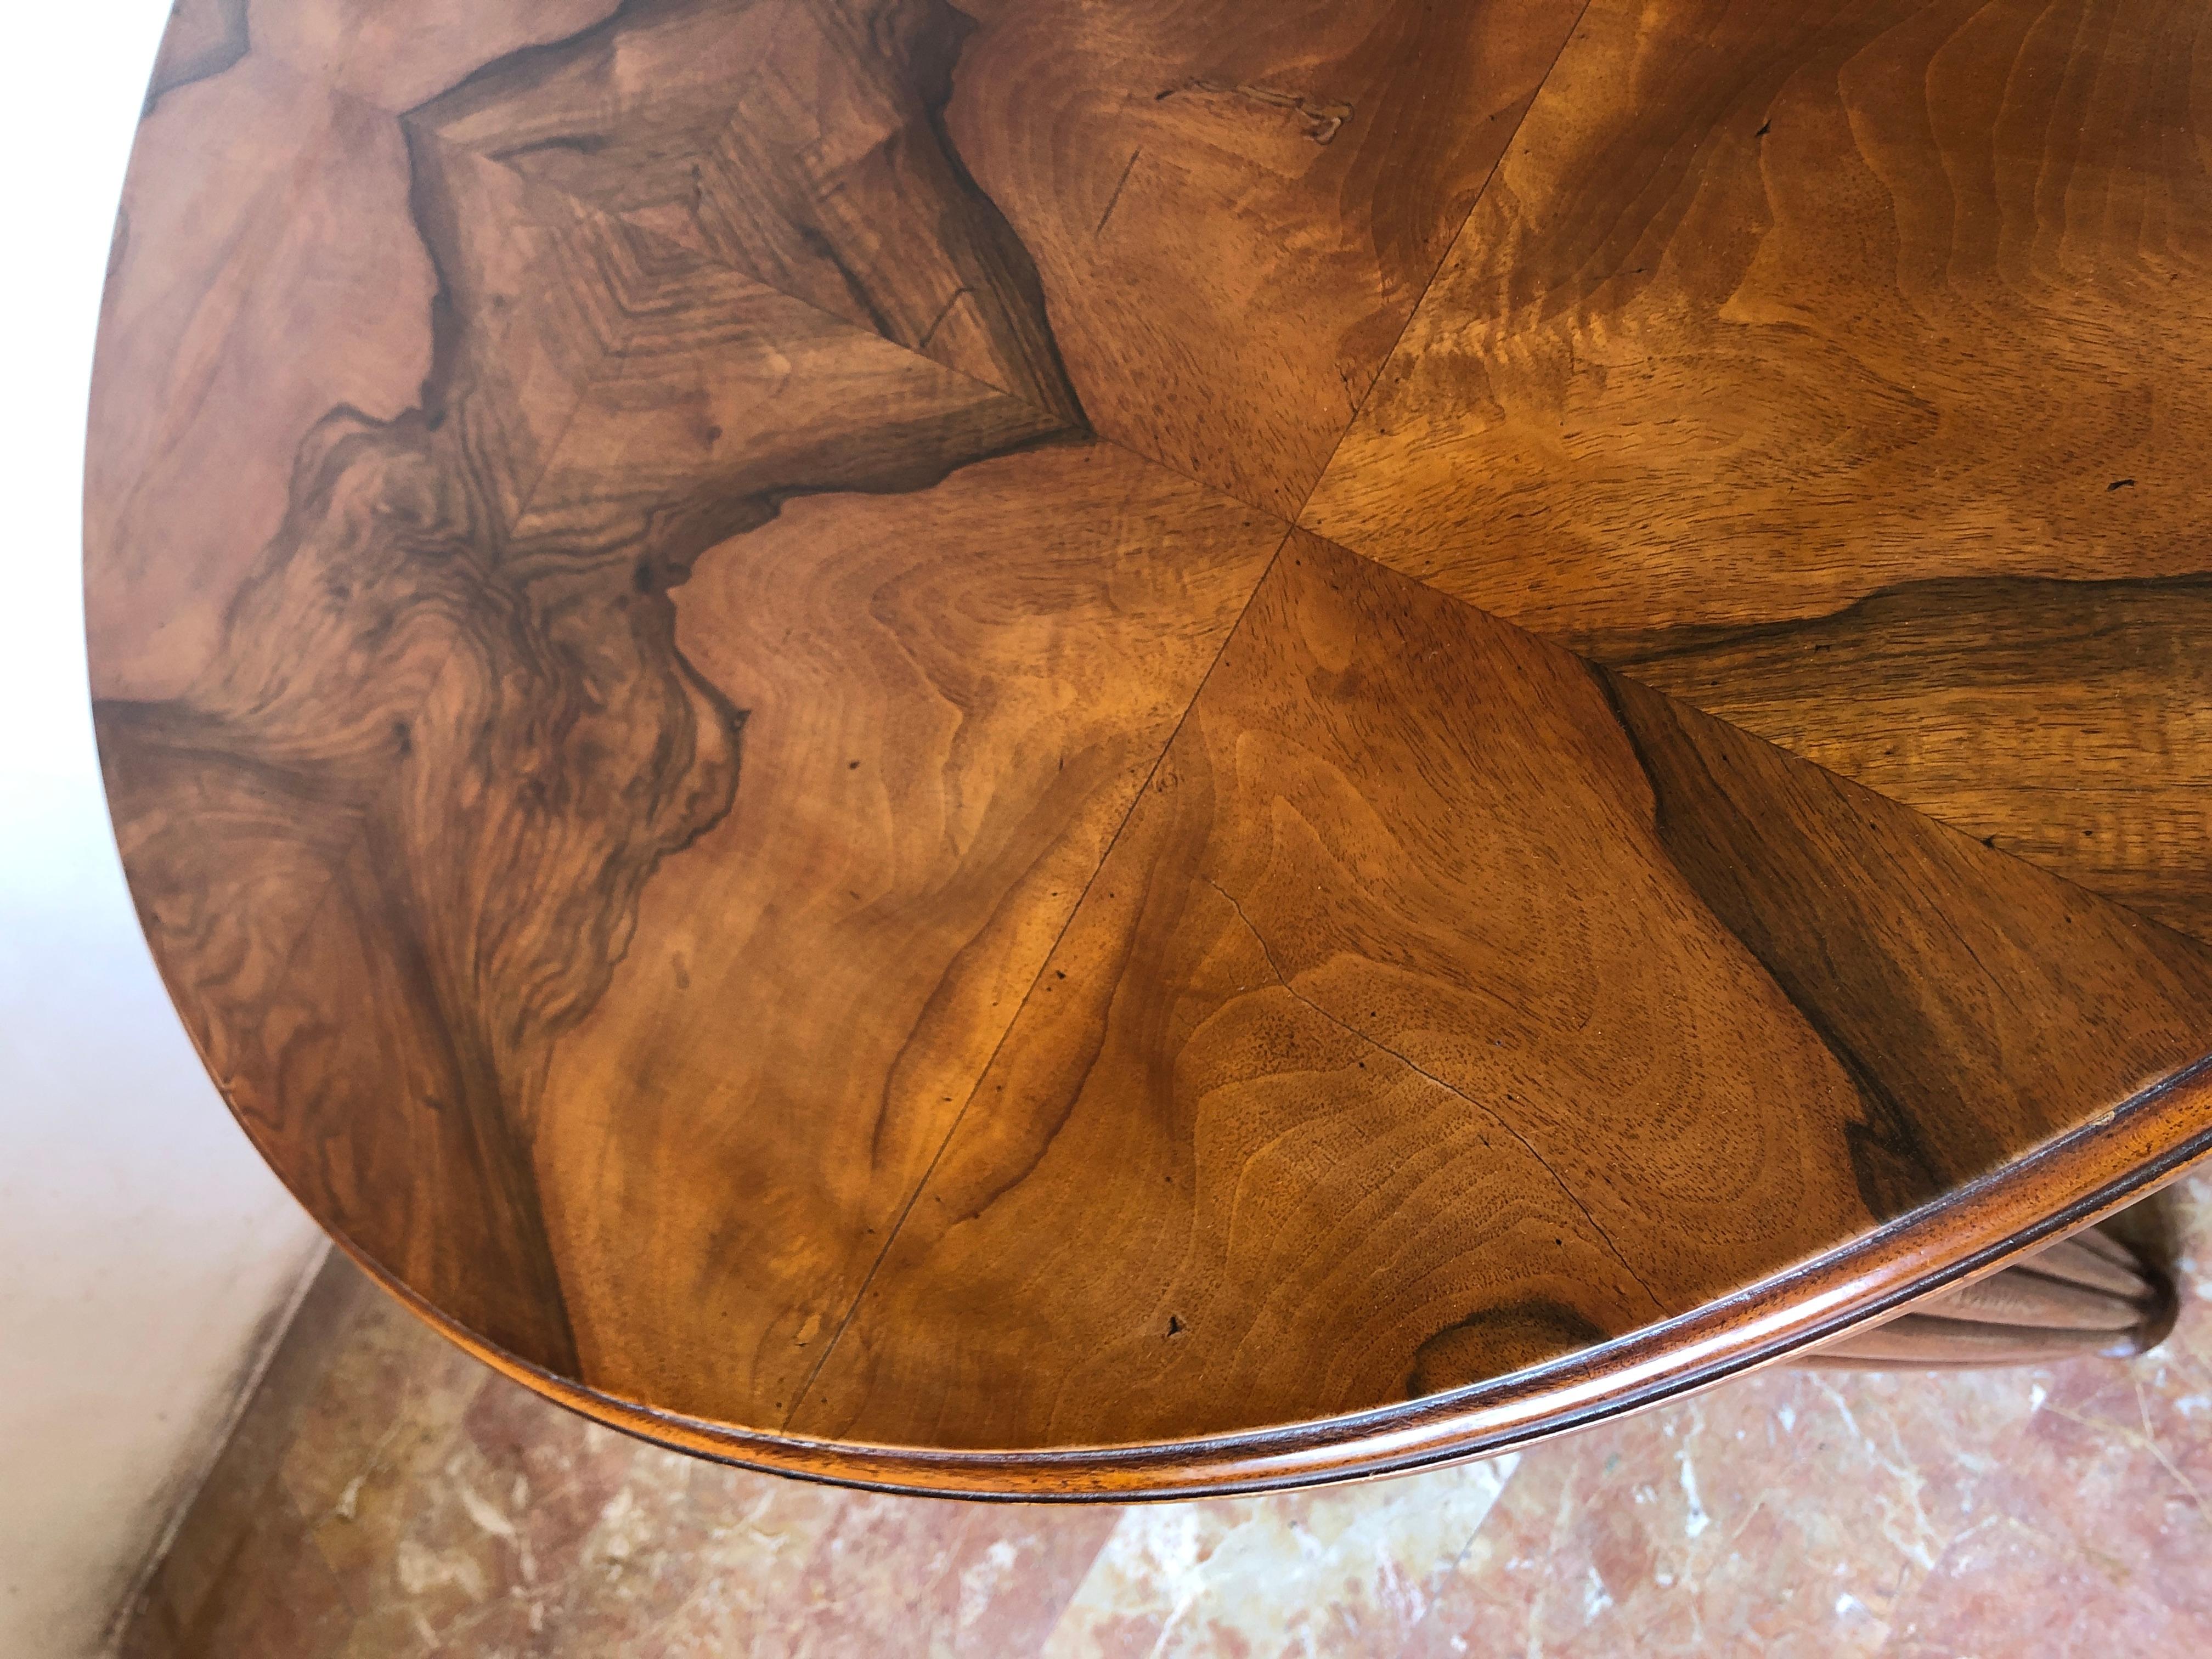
386, 1495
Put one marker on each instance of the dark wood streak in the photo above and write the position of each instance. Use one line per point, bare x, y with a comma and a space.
1809, 871
1709, 835
451, 702
2057, 719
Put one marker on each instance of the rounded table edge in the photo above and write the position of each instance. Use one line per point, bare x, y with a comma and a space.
2066, 1184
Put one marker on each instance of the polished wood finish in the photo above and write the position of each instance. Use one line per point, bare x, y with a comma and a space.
1836, 368
723, 727
1663, 1012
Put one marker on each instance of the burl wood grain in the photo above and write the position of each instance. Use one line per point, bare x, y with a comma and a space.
1230, 213
1864, 339
392, 841
720, 729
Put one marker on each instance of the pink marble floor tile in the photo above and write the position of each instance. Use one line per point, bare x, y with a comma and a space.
396, 1498
379, 1427
1350, 1569
527, 1531
894, 1575
276, 1600
2004, 1588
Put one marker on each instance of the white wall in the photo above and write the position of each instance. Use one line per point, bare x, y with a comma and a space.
146, 1255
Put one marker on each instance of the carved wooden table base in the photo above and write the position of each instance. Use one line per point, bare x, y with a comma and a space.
2089, 1294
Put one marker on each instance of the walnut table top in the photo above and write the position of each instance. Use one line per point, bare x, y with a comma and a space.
1074, 749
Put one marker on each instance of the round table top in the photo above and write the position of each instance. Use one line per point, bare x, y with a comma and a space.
1064, 749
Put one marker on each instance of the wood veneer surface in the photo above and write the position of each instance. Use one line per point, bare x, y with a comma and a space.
1069, 748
